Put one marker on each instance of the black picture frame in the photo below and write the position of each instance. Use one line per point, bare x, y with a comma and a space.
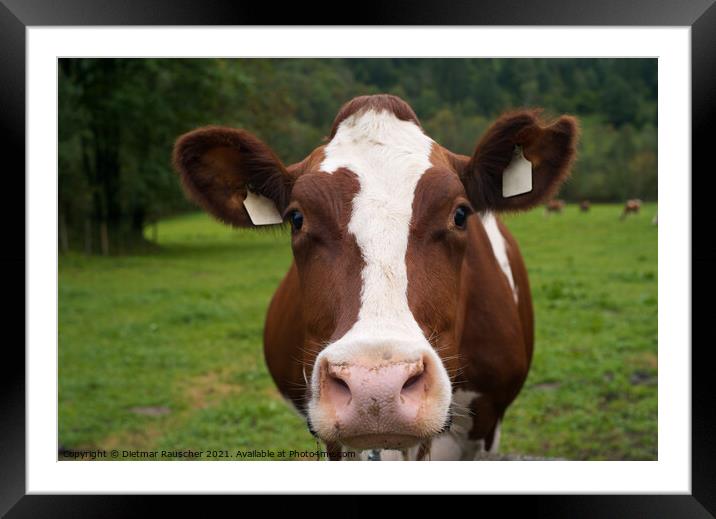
700, 15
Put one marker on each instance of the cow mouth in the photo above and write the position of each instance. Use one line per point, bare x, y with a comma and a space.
381, 441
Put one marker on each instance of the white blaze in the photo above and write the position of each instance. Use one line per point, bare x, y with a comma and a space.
499, 248
388, 156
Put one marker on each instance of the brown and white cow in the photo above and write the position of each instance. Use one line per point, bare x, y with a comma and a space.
405, 320
631, 206
554, 206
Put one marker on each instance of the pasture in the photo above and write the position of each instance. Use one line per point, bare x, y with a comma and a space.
164, 350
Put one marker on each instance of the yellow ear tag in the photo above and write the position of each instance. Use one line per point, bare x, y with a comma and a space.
262, 210
517, 177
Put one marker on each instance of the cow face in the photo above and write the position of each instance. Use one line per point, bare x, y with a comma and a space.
380, 219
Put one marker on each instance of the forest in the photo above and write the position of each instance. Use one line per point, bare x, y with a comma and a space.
118, 119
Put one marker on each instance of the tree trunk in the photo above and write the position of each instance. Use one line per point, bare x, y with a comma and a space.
104, 238
64, 239
137, 227
88, 236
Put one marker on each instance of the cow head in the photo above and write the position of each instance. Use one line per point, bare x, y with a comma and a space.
379, 219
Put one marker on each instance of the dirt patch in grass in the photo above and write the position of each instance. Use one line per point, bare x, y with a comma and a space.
208, 388
645, 359
151, 410
133, 439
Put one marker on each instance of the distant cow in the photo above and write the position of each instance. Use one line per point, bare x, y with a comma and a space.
554, 206
405, 320
584, 206
631, 206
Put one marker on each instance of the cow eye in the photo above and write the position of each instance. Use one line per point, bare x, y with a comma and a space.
460, 218
296, 218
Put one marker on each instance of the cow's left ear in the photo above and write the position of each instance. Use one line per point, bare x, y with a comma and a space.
550, 148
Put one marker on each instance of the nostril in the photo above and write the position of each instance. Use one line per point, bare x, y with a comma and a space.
337, 390
339, 382
412, 382
416, 381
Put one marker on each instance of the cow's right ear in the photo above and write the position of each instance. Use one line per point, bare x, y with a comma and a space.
218, 166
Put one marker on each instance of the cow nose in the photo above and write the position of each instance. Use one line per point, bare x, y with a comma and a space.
377, 404
400, 380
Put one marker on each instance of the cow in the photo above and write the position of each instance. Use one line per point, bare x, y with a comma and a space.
403, 328
554, 206
631, 206
584, 206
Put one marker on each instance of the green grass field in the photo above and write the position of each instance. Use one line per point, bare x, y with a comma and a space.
164, 350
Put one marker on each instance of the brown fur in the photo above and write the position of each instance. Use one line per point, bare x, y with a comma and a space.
459, 295
319, 301
496, 333
584, 206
